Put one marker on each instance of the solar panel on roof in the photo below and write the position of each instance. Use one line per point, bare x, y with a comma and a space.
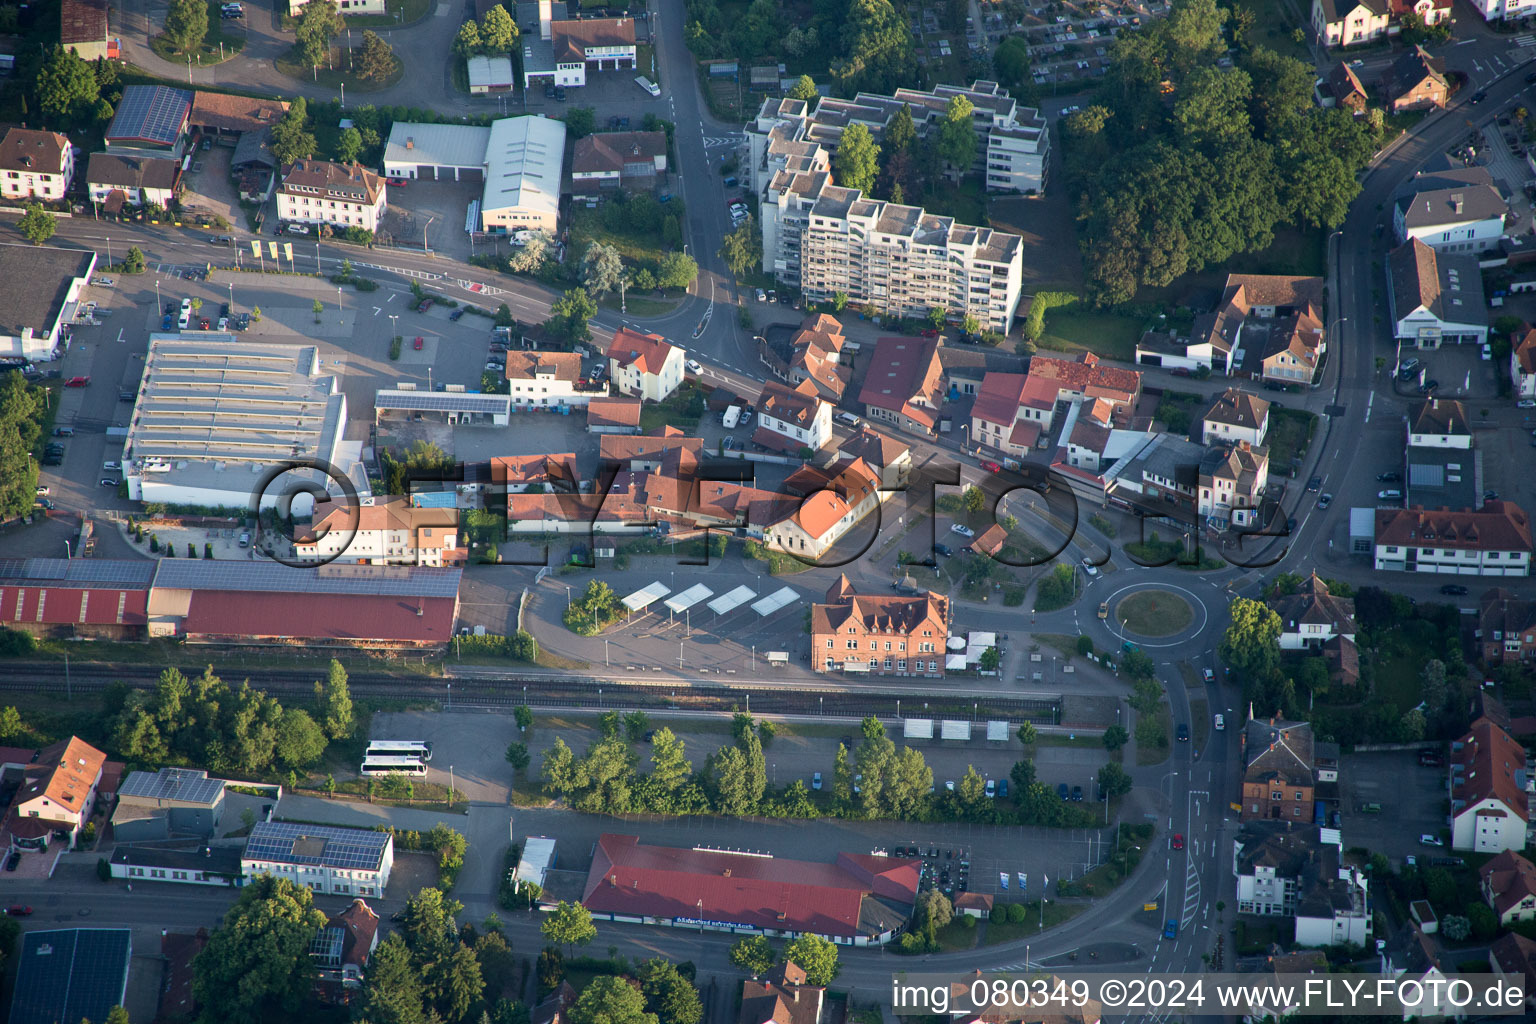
427, 401
343, 847
78, 570
70, 974
150, 113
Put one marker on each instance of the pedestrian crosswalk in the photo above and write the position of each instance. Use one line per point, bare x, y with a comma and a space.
1523, 41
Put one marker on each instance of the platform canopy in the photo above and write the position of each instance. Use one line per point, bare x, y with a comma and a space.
688, 598
731, 600
954, 730
997, 732
776, 601
646, 596
918, 729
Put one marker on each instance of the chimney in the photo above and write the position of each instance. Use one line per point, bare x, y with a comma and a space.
1456, 202
410, 143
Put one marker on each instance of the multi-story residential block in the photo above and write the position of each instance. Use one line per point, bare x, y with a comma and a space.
904, 385
381, 531
1288, 870
1436, 298
1279, 771
644, 365
323, 192
1312, 616
1490, 806
615, 160
1508, 884
1492, 541
542, 380
883, 634
35, 165
1451, 209
1350, 22
330, 860
827, 239
1417, 81
792, 419
1236, 416
1267, 860
1506, 627
1232, 482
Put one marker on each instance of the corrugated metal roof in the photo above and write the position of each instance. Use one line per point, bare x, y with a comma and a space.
274, 578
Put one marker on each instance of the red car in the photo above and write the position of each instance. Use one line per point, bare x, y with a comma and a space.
205, 324
424, 305
417, 344
77, 382
398, 182
18, 910
991, 467
930, 333
1178, 840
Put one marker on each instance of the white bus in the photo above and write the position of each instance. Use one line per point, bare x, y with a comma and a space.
400, 748
380, 764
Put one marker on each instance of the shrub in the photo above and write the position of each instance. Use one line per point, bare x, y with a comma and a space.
1016, 913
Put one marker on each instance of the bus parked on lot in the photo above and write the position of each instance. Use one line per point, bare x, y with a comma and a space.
418, 749
378, 764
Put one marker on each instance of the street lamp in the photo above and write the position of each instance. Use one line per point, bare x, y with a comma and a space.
605, 652
567, 597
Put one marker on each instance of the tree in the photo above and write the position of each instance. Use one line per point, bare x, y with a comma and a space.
742, 249
1114, 780
118, 1015
291, 140
257, 962
669, 995
957, 134
376, 63
676, 270
517, 757
1455, 927
1028, 734
803, 89
530, 257
602, 268
523, 716
66, 88
333, 702
901, 132
933, 911
608, 999
877, 48
300, 742
1434, 690
498, 32
858, 159
1011, 63
1251, 644
569, 925
569, 314
319, 23
392, 985
753, 954
468, 42
134, 262
1115, 737
37, 224
580, 122
186, 25
11, 724
1023, 775
816, 956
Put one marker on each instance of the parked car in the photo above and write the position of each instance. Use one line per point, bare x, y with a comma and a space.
1453, 590
42, 489
694, 367
205, 324
19, 910
1526, 403
1063, 792
962, 530
1002, 790
1077, 794
77, 382
944, 549
816, 781
456, 314
108, 481
1429, 840
1392, 477
1178, 840
418, 343
1479, 96
991, 789
125, 396
423, 305
991, 467
1209, 675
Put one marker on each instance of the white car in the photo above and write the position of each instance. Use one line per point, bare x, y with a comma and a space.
1429, 840
1221, 722
42, 490
1526, 403
694, 367
962, 530
1089, 567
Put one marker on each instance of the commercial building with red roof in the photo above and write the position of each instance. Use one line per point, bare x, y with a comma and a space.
1492, 541
613, 416
859, 900
1489, 803
904, 384
882, 634
62, 597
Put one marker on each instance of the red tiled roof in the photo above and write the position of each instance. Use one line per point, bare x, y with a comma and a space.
571, 38
1498, 526
646, 352
229, 112
990, 541
999, 398
25, 150
905, 377
792, 405
64, 773
82, 21
565, 366
1509, 878
1084, 373
613, 412
300, 616
766, 892
1524, 342
1491, 758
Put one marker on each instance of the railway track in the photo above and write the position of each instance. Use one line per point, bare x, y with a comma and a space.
512, 689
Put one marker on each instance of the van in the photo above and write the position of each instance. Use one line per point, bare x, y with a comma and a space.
1391, 494
848, 419
245, 540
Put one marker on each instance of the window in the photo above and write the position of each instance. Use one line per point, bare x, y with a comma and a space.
1276, 796
829, 645
1298, 794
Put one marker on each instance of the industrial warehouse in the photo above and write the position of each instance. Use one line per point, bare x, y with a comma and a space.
861, 900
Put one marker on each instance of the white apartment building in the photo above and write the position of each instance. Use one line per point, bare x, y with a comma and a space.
1490, 803
1504, 10
543, 380
644, 365
1492, 541
1451, 209
330, 860
34, 164
381, 531
795, 416
1350, 22
322, 192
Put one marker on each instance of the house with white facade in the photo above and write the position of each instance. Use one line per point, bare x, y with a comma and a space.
343, 7
541, 380
997, 415
384, 530
564, 51
1508, 885
1494, 540
1436, 298
1267, 861
1522, 361
1236, 416
1451, 209
789, 419
1312, 616
210, 865
1490, 805
1232, 482
646, 366
34, 164
1333, 908
1504, 10
1290, 869
115, 180
834, 501
324, 192
1439, 423
1350, 22
330, 860
57, 793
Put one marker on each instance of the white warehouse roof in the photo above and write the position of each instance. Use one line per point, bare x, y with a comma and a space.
524, 160
418, 144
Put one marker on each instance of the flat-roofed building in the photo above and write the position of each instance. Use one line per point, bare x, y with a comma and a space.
215, 415
328, 859
71, 974
172, 801
43, 285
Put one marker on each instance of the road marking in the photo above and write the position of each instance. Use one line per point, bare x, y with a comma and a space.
1368, 402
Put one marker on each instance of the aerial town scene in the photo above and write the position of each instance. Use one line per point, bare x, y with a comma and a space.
1098, 438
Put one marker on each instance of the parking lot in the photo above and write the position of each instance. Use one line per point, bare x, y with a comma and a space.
1412, 799
1451, 371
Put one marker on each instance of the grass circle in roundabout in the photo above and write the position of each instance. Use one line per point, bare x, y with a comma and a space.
1153, 613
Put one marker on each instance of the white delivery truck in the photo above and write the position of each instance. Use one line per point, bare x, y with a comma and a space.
731, 418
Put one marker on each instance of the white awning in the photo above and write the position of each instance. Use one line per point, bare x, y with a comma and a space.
731, 600
688, 598
856, 666
954, 663
982, 640
918, 729
953, 730
778, 601
955, 643
997, 731
646, 596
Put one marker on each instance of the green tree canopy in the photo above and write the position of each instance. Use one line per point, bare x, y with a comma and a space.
957, 134
569, 314
570, 925
742, 249
858, 159
602, 268
37, 225
498, 32
291, 138
67, 90
668, 995
803, 89
609, 999
257, 962
1013, 67
186, 25
814, 955
753, 954
333, 702
375, 64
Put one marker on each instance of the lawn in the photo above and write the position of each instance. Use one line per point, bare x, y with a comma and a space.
1290, 433
1056, 912
1154, 753
1075, 329
1154, 613
1274, 29
674, 411
587, 226
967, 203
1294, 251
336, 76
222, 42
